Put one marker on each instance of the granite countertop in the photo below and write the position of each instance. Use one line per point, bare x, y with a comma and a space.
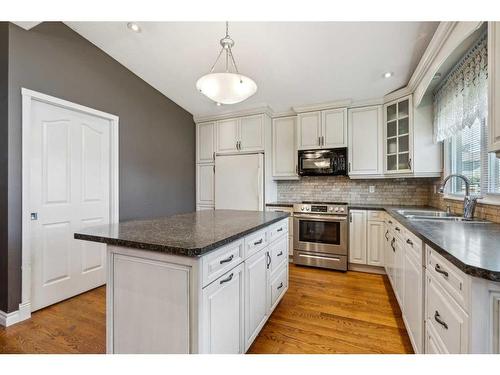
474, 248
191, 234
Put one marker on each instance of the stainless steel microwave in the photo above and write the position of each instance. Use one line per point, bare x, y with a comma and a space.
328, 162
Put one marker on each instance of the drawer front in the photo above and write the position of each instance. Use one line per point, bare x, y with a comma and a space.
219, 262
455, 282
376, 215
433, 344
254, 242
279, 285
277, 230
396, 227
447, 318
414, 245
278, 252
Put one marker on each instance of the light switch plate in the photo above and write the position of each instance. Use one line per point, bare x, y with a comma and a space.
371, 189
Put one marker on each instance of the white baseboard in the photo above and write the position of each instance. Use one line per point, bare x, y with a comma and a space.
366, 268
8, 319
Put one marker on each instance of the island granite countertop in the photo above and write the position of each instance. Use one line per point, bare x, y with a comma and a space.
191, 234
474, 248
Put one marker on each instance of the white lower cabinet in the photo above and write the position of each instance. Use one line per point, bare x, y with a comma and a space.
223, 316
366, 237
413, 300
256, 295
357, 236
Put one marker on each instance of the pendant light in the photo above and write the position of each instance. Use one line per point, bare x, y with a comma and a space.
226, 87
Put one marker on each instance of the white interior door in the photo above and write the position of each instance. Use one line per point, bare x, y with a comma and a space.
69, 190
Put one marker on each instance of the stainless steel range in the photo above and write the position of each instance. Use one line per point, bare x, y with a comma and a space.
320, 234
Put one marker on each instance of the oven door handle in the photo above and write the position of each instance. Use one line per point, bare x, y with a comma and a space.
320, 217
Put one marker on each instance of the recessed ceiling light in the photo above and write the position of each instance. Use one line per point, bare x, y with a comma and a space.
218, 104
134, 27
388, 74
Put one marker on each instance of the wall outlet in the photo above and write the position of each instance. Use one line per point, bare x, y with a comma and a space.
371, 189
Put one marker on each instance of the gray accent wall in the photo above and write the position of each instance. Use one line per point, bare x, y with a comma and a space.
4, 59
157, 137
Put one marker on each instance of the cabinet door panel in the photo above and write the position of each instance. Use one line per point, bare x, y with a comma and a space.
252, 133
413, 299
227, 135
357, 236
256, 281
205, 184
309, 130
494, 86
223, 314
334, 128
365, 141
205, 140
284, 148
376, 243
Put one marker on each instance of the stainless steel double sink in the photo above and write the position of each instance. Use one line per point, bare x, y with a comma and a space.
430, 215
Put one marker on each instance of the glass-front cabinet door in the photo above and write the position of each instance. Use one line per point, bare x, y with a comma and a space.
398, 136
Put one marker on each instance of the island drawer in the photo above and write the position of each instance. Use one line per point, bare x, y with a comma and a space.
279, 284
277, 230
414, 245
254, 242
447, 318
220, 261
278, 252
451, 278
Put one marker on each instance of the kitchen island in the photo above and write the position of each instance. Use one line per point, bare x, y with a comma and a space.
202, 282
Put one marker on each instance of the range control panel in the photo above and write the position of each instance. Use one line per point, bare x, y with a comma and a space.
316, 208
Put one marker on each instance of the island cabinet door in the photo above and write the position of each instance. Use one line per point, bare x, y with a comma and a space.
256, 281
222, 326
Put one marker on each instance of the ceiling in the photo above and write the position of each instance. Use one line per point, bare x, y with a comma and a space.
293, 63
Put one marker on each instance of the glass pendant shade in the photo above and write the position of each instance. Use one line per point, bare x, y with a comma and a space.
226, 88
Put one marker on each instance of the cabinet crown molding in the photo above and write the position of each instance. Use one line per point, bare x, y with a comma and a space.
322, 106
265, 109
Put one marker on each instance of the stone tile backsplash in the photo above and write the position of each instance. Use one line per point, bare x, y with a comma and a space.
400, 191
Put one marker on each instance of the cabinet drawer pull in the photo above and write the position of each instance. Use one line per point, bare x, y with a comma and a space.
440, 270
227, 260
280, 286
268, 260
392, 244
257, 242
438, 319
409, 242
229, 278
386, 235
280, 254
397, 228
390, 222
279, 229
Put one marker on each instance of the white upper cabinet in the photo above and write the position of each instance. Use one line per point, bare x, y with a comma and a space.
240, 134
398, 136
334, 128
365, 141
284, 150
251, 133
205, 142
227, 135
494, 87
322, 129
309, 130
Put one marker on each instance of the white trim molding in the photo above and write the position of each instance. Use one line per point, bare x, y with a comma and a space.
28, 97
322, 106
8, 319
264, 109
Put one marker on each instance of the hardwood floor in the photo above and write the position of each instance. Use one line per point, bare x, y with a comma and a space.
333, 312
322, 312
77, 325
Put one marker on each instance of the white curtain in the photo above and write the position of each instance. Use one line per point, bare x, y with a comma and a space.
462, 99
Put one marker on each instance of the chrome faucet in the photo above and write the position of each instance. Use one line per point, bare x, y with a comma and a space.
469, 202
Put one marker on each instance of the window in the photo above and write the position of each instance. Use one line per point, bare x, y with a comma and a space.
467, 154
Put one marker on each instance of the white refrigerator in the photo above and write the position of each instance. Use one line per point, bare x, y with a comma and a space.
239, 182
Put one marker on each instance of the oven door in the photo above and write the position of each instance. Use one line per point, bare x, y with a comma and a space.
320, 233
